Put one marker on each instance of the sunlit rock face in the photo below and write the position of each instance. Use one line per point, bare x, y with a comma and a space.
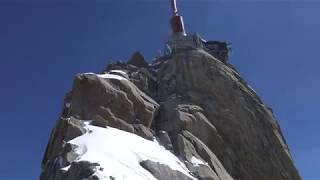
187, 115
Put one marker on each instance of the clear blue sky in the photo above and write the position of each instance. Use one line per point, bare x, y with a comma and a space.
43, 44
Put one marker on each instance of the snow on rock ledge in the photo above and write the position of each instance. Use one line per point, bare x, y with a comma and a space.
108, 76
119, 154
197, 162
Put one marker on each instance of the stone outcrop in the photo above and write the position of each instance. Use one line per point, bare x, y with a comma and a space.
138, 60
195, 105
80, 170
162, 172
119, 103
65, 130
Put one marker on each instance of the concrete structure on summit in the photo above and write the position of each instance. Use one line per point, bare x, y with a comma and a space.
180, 40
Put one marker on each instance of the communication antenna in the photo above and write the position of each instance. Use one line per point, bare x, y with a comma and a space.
177, 25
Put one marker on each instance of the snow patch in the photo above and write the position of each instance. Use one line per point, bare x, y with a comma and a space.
108, 76
197, 162
118, 71
111, 76
66, 168
119, 153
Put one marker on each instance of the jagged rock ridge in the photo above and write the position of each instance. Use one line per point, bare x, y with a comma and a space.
197, 107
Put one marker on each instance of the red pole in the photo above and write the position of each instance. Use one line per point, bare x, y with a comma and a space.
177, 25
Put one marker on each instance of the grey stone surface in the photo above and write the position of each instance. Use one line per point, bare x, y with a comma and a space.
194, 104
163, 172
142, 131
81, 170
165, 140
110, 102
65, 130
231, 120
137, 60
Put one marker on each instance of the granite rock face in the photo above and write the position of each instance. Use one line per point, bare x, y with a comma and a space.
197, 107
206, 105
162, 172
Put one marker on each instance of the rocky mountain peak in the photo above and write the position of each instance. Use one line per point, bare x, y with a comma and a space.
138, 60
187, 115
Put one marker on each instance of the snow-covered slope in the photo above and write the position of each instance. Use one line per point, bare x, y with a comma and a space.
119, 153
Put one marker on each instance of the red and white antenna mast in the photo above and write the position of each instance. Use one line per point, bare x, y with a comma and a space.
177, 25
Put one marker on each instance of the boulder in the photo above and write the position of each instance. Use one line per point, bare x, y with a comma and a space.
142, 131
65, 130
163, 172
81, 170
112, 99
138, 60
165, 140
